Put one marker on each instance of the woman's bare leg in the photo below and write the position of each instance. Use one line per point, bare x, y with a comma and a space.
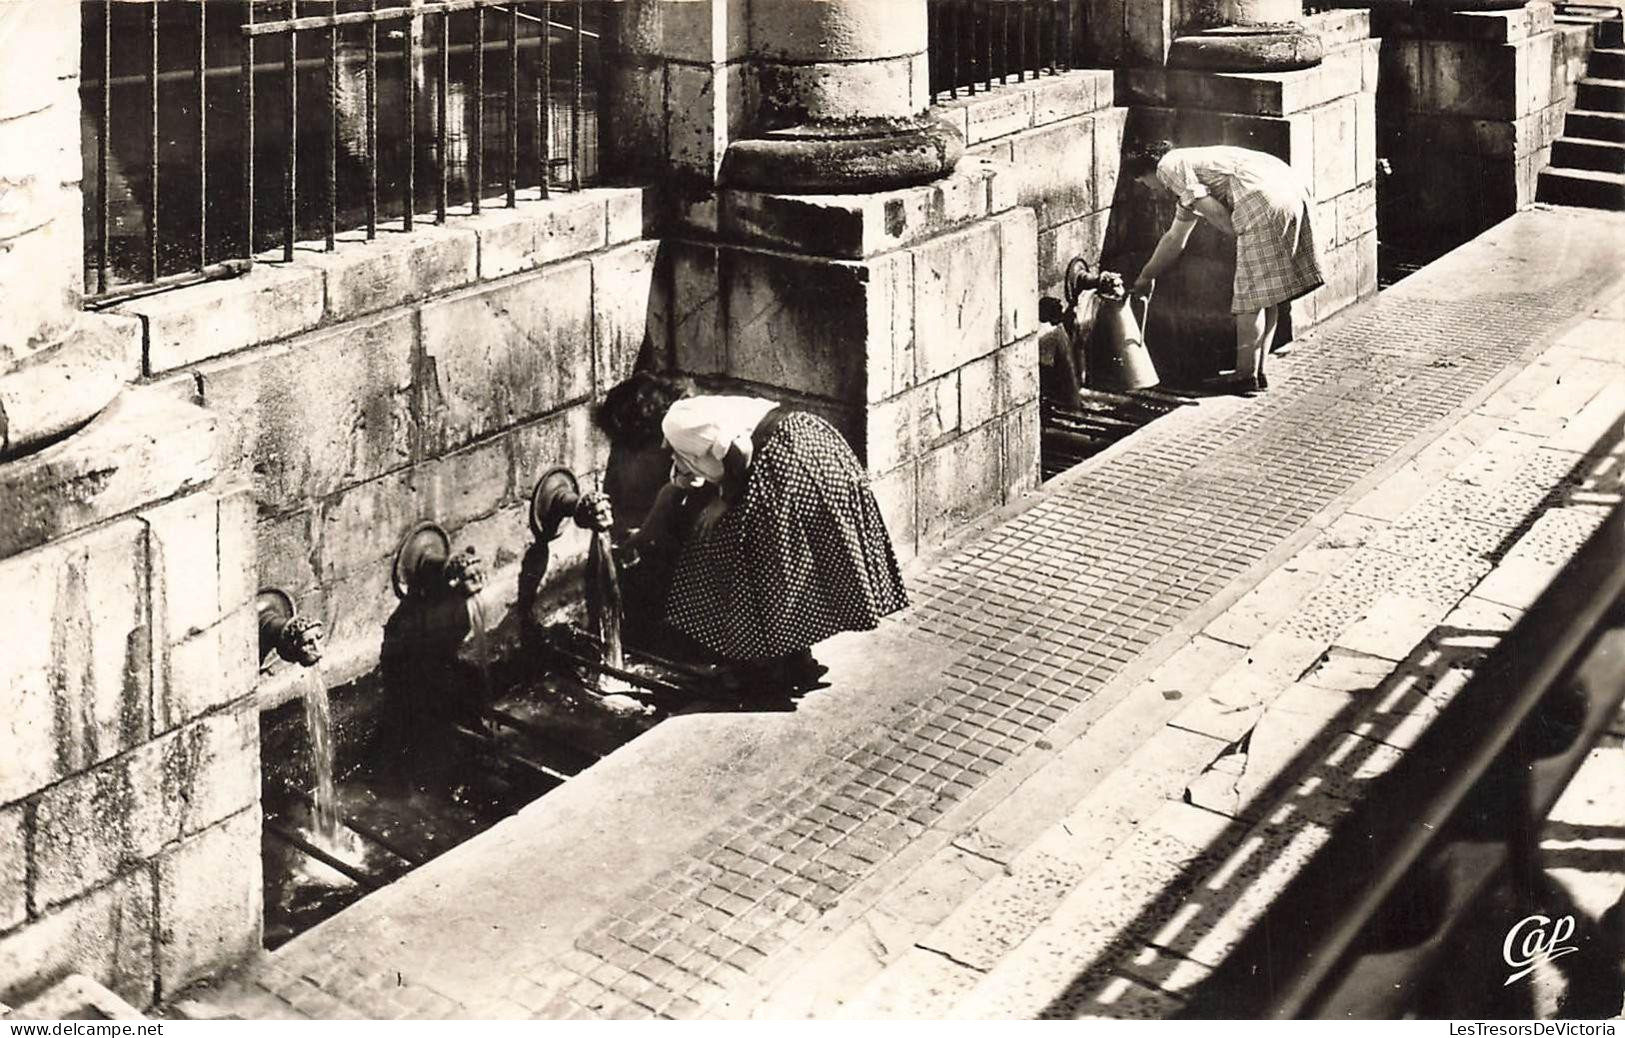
1272, 324
1250, 341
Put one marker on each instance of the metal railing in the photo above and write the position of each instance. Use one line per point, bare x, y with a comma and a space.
323, 151
975, 45
1459, 812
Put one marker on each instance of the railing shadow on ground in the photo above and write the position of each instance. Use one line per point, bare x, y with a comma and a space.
1147, 968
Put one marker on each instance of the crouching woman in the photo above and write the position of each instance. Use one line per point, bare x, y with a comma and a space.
788, 547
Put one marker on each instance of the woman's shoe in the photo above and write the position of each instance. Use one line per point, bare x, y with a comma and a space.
1238, 384
1263, 382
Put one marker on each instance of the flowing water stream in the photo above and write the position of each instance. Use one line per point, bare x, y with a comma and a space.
604, 611
319, 732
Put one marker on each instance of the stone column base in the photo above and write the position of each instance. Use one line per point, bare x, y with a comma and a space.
907, 317
1471, 103
1322, 121
130, 778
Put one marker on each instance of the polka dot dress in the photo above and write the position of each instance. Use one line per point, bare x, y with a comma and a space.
803, 556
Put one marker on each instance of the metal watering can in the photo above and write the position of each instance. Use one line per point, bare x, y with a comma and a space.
1115, 357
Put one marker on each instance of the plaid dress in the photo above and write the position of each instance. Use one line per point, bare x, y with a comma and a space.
1276, 260
802, 556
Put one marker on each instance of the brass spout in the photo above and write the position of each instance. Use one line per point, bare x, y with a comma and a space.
425, 566
295, 638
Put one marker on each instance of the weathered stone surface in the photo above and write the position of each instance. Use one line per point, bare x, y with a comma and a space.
1056, 169
66, 381
840, 30
1058, 245
209, 895
503, 353
321, 412
1018, 274
565, 225
855, 226
75, 681
997, 114
797, 323
890, 346
362, 526
1336, 154
207, 669
566, 439
1021, 447
183, 538
114, 817
696, 118
631, 309
286, 552
896, 493
960, 481
1507, 26
957, 307
272, 301
826, 90
146, 446
395, 268
238, 581
108, 935
13, 866
699, 340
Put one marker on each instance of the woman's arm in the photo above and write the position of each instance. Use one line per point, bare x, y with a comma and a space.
735, 471
1214, 213
1167, 252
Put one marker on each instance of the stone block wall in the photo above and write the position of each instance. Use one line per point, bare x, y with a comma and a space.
425, 375
1470, 105
1322, 121
1062, 139
129, 781
907, 317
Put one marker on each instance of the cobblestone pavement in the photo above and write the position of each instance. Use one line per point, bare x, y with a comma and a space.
1119, 719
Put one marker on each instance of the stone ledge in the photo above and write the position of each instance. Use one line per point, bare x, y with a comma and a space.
1343, 72
861, 225
275, 300
1339, 28
1484, 26
1011, 107
146, 446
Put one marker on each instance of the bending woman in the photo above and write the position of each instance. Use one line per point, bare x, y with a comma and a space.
1255, 198
788, 549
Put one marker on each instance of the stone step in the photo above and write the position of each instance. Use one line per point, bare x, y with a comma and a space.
1607, 63
1581, 153
1595, 126
1601, 95
1594, 189
1610, 30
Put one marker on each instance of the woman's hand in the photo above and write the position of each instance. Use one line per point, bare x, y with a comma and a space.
1142, 287
594, 511
710, 515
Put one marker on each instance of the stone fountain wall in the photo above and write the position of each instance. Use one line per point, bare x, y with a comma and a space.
425, 375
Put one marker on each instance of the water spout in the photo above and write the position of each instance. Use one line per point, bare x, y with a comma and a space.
295, 638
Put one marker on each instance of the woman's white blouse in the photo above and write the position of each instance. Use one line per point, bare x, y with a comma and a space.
700, 429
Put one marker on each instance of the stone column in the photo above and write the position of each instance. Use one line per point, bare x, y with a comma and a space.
842, 89
816, 95
852, 270
56, 367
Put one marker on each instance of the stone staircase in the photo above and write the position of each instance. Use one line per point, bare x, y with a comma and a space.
1588, 161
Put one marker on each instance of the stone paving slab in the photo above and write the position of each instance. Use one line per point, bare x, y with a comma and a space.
1036, 628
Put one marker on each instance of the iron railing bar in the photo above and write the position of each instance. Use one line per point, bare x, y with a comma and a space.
332, 219
444, 76
290, 166
955, 29
372, 122
152, 145
248, 131
384, 14
409, 174
1023, 59
987, 12
477, 157
202, 138
1463, 744
213, 272
544, 102
1068, 17
512, 141
104, 119
576, 101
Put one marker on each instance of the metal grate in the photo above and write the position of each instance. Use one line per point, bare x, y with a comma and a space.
223, 128
975, 45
